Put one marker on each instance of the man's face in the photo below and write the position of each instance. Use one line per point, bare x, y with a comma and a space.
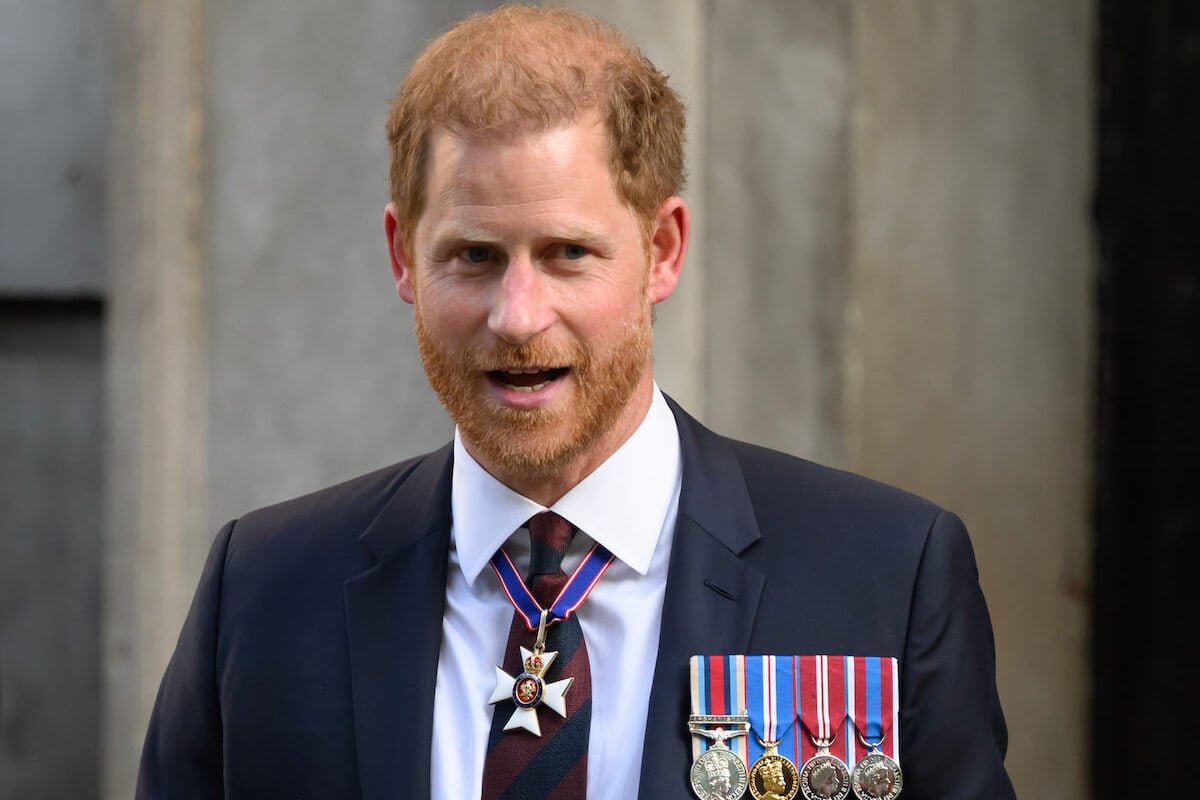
532, 285
722, 780
773, 778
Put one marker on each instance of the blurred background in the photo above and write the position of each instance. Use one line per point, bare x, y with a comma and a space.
951, 244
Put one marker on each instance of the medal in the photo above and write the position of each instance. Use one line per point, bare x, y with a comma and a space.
773, 777
823, 712
825, 776
718, 688
719, 773
529, 689
771, 707
877, 775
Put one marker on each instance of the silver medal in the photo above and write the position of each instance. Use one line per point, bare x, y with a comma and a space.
719, 774
825, 776
877, 777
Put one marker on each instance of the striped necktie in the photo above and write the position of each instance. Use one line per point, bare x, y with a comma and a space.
519, 765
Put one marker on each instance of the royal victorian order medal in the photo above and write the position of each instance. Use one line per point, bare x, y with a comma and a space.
529, 689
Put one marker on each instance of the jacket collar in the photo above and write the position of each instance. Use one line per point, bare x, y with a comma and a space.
711, 598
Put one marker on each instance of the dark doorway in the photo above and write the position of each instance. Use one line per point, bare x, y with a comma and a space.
1148, 439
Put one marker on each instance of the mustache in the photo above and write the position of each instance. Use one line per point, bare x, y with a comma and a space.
528, 355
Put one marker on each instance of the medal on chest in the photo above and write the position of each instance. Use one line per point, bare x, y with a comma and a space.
770, 704
823, 713
718, 690
877, 774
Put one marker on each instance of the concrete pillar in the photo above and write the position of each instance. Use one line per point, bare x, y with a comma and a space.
673, 34
969, 347
157, 526
776, 159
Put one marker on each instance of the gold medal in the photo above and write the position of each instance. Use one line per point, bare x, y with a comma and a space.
773, 777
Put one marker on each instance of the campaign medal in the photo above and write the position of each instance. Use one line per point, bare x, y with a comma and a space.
770, 704
823, 712
718, 689
877, 774
529, 689
719, 773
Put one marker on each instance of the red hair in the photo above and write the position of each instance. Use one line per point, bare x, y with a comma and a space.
528, 69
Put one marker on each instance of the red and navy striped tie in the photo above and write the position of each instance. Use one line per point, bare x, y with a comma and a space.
519, 765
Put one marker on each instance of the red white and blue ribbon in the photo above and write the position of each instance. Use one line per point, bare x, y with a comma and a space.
578, 587
772, 703
872, 701
719, 687
823, 705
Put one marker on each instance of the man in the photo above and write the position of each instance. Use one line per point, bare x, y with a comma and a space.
346, 644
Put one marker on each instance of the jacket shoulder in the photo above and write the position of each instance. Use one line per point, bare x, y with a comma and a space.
776, 478
335, 515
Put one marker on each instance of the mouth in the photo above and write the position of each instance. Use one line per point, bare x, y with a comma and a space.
527, 380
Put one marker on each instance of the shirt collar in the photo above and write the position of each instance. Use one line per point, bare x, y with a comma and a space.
622, 504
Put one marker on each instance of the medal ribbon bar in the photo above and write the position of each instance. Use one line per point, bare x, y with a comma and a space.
823, 705
718, 687
578, 587
874, 711
773, 704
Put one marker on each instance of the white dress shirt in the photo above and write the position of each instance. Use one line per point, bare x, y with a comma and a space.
629, 504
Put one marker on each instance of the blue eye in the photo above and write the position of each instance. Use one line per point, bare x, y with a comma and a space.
476, 254
574, 251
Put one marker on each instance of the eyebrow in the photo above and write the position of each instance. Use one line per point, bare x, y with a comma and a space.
455, 234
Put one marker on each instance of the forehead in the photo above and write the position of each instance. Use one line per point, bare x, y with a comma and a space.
559, 177
481, 163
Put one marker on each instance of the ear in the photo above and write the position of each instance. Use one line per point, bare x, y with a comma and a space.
401, 268
668, 247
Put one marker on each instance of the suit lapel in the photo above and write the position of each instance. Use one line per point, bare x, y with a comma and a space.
710, 602
394, 619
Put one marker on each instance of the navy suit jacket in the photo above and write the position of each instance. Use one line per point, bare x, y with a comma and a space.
307, 664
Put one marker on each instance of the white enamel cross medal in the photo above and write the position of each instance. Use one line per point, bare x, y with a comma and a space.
529, 689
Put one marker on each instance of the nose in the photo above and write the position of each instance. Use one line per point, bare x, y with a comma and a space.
521, 306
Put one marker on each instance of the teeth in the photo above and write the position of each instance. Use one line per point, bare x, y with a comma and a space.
528, 389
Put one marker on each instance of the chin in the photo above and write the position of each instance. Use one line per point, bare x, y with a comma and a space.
527, 443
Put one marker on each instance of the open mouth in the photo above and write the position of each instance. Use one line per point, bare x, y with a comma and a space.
526, 380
